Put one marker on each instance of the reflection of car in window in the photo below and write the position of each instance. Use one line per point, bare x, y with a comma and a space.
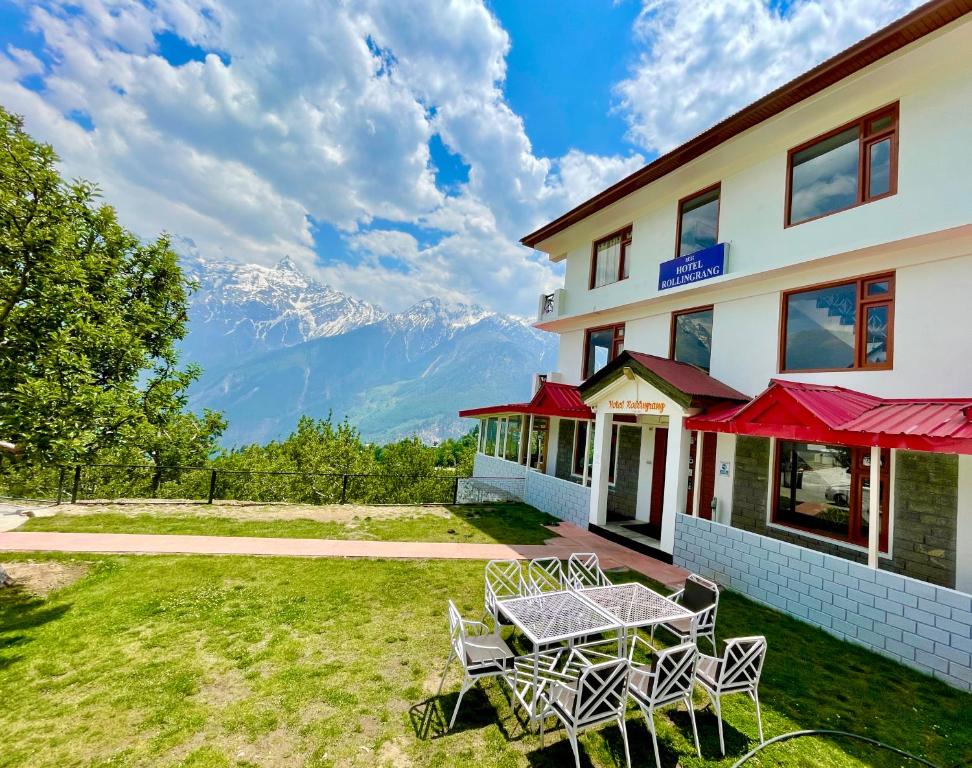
838, 494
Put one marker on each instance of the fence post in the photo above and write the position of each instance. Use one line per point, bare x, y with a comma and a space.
77, 484
455, 492
60, 485
344, 489
212, 487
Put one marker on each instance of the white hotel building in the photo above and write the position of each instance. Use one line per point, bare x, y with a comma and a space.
766, 348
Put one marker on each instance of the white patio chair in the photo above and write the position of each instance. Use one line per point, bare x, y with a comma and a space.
668, 680
480, 652
504, 580
584, 570
701, 597
737, 671
585, 696
545, 574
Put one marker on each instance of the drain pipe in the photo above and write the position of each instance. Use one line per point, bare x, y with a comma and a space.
842, 734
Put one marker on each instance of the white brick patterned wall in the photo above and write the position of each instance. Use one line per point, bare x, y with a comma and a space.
922, 625
560, 498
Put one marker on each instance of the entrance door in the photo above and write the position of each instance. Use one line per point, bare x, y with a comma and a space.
705, 476
659, 457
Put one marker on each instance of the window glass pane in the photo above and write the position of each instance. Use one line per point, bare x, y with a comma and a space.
489, 446
876, 319
825, 176
815, 483
513, 439
599, 349
820, 328
607, 259
614, 452
880, 168
700, 223
877, 287
580, 439
879, 124
693, 338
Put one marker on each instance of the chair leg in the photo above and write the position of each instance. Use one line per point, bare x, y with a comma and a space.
623, 725
444, 673
573, 744
759, 717
650, 721
695, 730
466, 685
717, 701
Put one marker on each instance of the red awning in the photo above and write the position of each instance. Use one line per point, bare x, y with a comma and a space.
825, 414
552, 399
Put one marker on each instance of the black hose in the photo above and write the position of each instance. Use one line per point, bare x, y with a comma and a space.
796, 734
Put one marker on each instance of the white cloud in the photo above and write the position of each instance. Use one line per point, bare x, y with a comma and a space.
307, 110
704, 60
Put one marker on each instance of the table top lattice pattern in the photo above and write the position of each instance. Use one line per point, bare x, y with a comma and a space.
555, 616
634, 604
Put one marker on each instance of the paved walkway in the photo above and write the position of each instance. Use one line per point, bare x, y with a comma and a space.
572, 539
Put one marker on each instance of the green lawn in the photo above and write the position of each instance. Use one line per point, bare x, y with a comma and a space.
227, 661
504, 524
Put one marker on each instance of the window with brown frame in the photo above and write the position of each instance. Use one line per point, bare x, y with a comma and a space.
844, 168
698, 221
839, 326
609, 258
601, 346
825, 489
691, 337
580, 440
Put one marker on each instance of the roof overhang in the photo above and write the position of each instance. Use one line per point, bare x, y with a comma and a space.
922, 21
812, 413
551, 399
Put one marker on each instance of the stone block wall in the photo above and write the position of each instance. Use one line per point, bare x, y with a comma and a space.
490, 466
560, 498
925, 511
565, 449
623, 496
922, 625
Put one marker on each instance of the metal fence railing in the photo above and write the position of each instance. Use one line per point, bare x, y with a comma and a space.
108, 482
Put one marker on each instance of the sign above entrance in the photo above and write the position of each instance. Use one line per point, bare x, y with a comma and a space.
701, 265
639, 406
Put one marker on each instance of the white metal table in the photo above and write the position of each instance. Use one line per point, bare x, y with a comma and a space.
634, 606
551, 618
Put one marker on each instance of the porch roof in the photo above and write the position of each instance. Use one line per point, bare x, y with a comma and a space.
827, 414
551, 399
686, 384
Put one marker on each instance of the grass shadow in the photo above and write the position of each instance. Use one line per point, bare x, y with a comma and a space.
21, 612
510, 523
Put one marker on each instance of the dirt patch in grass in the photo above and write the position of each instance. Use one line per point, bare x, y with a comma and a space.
41, 577
241, 510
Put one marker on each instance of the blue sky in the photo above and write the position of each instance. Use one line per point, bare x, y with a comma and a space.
394, 150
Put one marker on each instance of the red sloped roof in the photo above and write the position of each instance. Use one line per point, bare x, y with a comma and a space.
820, 413
552, 399
687, 378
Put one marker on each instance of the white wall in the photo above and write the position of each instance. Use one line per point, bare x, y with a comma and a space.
963, 544
932, 82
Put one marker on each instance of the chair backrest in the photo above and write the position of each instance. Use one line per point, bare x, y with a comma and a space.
545, 574
584, 570
742, 664
504, 580
457, 632
602, 692
701, 596
674, 675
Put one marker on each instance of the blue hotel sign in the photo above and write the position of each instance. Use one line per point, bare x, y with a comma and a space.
702, 265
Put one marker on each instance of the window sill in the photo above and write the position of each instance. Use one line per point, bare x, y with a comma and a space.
605, 285
843, 543
857, 369
885, 196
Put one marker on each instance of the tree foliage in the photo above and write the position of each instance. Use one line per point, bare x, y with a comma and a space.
89, 317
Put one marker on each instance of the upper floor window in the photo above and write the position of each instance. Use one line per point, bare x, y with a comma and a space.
698, 221
691, 340
849, 166
601, 346
609, 260
839, 325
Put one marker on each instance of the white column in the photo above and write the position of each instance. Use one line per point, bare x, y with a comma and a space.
676, 479
602, 461
874, 510
697, 474
499, 435
643, 503
587, 452
553, 444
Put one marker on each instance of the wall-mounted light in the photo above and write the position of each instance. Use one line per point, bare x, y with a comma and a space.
628, 373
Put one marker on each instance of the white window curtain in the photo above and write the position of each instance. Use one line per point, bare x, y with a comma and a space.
608, 260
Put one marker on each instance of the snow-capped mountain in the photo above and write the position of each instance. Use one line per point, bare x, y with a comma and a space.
239, 310
274, 345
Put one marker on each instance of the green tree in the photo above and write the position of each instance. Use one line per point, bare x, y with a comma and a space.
89, 316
